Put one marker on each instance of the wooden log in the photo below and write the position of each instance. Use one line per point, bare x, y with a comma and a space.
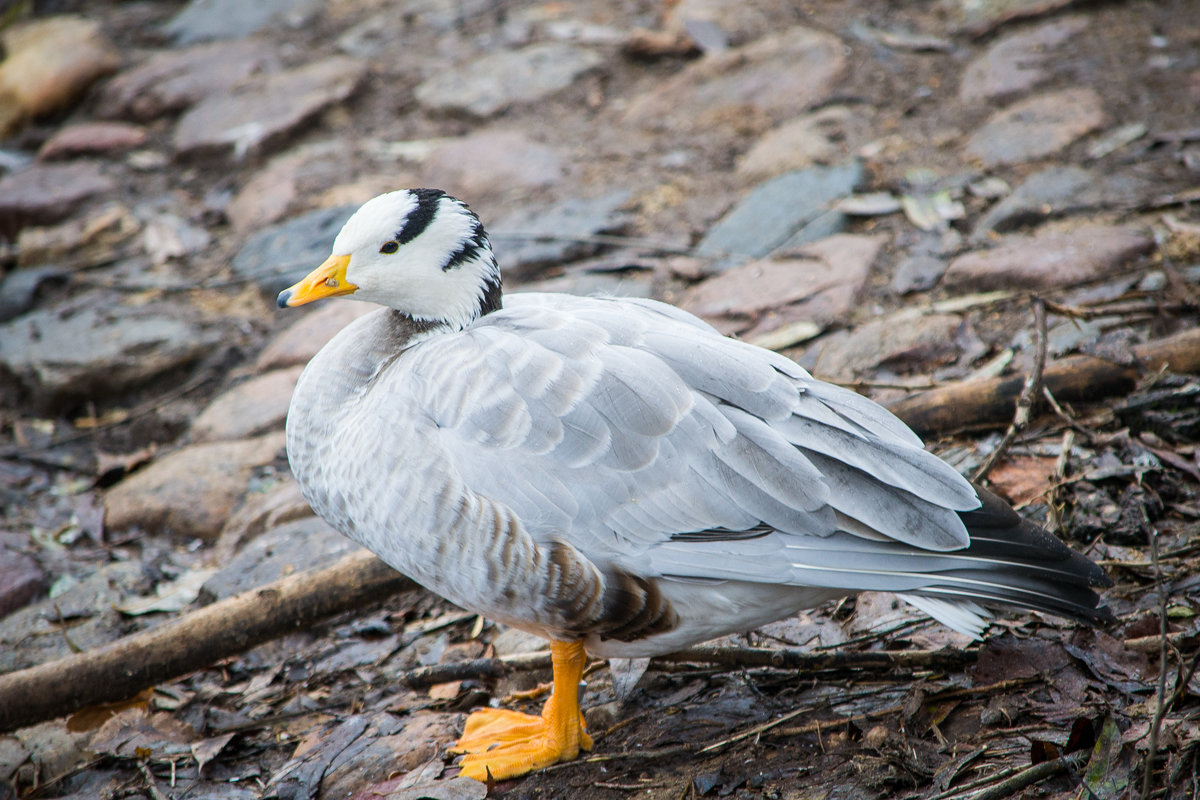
193, 641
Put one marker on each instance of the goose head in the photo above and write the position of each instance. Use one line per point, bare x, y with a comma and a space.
418, 251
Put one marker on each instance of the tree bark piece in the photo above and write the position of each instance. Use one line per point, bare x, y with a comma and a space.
987, 403
193, 641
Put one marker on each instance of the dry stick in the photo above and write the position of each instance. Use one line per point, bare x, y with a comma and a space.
123, 668
1031, 775
1029, 392
984, 403
1160, 694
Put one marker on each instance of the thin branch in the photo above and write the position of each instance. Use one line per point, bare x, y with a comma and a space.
1160, 693
1031, 775
1029, 392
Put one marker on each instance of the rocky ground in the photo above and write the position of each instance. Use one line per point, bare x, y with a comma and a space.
875, 190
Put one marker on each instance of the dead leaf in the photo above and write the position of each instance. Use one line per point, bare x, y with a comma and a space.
136, 734
1023, 479
93, 717
206, 750
175, 595
445, 691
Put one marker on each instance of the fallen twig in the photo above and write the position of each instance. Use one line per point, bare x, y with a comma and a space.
1029, 392
1031, 775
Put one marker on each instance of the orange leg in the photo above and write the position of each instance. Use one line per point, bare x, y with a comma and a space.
507, 743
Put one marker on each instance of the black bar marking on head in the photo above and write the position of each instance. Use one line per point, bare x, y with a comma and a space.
420, 217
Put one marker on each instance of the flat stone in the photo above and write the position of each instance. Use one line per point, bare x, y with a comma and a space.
201, 20
819, 284
251, 407
1037, 127
262, 111
87, 241
50, 62
20, 289
1059, 190
821, 137
1049, 259
278, 256
173, 80
423, 736
269, 194
258, 513
916, 344
978, 17
93, 348
775, 211
492, 162
1017, 62
778, 76
191, 491
305, 544
167, 237
301, 340
81, 614
47, 193
917, 273
21, 579
492, 83
92, 137
565, 224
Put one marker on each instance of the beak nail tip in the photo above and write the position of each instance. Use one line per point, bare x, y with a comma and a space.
283, 298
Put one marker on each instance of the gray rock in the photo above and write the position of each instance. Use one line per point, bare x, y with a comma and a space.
829, 134
47, 193
1036, 127
252, 407
202, 20
87, 240
916, 273
564, 224
494, 82
1016, 62
94, 347
265, 109
295, 547
19, 288
21, 579
278, 256
81, 615
175, 79
1059, 190
780, 76
899, 346
1049, 259
492, 162
191, 491
977, 17
775, 211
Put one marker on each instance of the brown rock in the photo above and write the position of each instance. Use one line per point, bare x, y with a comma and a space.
1046, 260
819, 283
92, 137
980, 16
191, 491
1016, 63
50, 63
250, 408
899, 345
822, 137
291, 181
778, 76
266, 108
174, 80
261, 512
300, 341
86, 242
47, 193
1036, 127
21, 579
491, 162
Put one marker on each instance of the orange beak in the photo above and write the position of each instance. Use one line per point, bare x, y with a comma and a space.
327, 280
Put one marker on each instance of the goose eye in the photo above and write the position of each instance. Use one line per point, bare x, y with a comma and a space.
389, 247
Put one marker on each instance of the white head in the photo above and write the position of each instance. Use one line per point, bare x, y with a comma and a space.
418, 251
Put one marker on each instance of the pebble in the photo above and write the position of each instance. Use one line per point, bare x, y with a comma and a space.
298, 546
496, 81
83, 609
191, 491
264, 109
819, 283
93, 348
978, 17
301, 340
21, 579
917, 273
775, 211
1017, 62
422, 736
780, 76
915, 344
201, 20
278, 256
1036, 127
492, 162
48, 193
821, 137
50, 62
173, 80
1048, 259
92, 137
251, 407
87, 241
566, 225
1058, 190
20, 289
